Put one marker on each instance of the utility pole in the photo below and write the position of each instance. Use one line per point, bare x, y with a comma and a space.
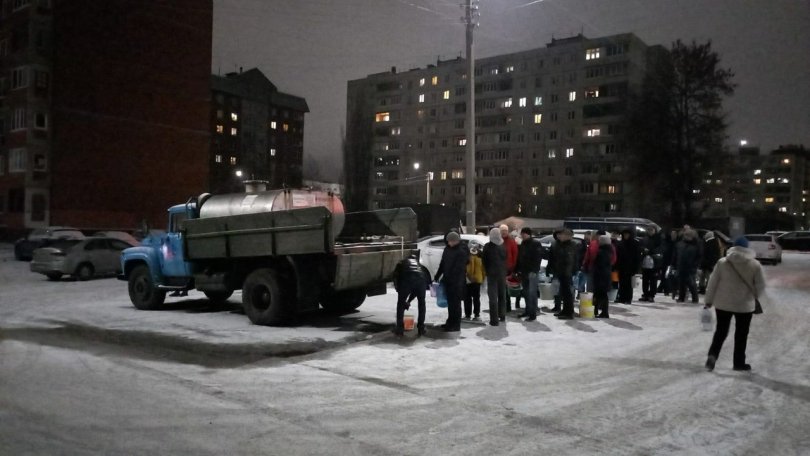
471, 20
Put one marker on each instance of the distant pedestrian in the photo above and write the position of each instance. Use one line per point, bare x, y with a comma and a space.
528, 266
580, 275
687, 259
734, 288
452, 273
410, 282
602, 268
648, 276
711, 255
565, 253
550, 272
669, 281
475, 277
511, 248
628, 265
494, 261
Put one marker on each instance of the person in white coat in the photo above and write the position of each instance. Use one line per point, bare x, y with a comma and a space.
735, 284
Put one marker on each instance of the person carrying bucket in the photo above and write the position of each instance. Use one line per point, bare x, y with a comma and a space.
410, 281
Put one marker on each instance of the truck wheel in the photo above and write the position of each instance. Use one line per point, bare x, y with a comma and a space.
218, 297
343, 301
142, 291
263, 299
84, 271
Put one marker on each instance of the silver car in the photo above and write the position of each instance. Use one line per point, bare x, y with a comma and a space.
82, 259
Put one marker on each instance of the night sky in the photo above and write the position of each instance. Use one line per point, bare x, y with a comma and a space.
311, 48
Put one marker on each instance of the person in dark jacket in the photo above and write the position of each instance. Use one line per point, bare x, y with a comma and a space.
550, 271
602, 268
711, 255
668, 283
528, 265
495, 267
410, 281
687, 260
629, 257
565, 253
453, 275
580, 276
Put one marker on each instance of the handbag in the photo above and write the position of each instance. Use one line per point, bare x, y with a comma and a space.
757, 305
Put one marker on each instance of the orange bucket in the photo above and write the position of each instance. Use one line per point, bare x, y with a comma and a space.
407, 320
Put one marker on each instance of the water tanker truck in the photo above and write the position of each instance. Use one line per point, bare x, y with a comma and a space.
288, 251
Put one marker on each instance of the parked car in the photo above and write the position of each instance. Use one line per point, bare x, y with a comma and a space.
82, 259
775, 234
766, 248
120, 235
41, 237
795, 240
431, 249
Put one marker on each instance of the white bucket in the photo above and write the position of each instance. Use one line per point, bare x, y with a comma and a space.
586, 305
546, 291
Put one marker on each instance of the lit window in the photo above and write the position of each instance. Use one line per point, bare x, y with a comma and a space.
552, 153
534, 191
273, 124
718, 200
769, 199
446, 95
771, 180
782, 209
434, 80
538, 118
396, 131
285, 126
233, 160
538, 101
233, 131
234, 116
421, 98
272, 152
380, 117
594, 132
422, 82
696, 191
786, 161
457, 174
462, 142
572, 96
220, 129
443, 175
592, 54
757, 172
550, 190
522, 102
506, 103
784, 180
757, 181
218, 158
592, 92
569, 152
510, 68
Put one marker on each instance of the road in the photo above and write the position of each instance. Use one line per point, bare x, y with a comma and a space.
82, 372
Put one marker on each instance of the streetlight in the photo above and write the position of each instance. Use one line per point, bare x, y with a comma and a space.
238, 173
416, 166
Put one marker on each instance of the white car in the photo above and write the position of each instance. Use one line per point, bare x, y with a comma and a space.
766, 248
431, 249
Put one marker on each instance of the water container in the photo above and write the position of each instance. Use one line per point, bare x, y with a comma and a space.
586, 305
407, 321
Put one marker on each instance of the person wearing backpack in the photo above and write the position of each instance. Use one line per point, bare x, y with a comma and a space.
734, 289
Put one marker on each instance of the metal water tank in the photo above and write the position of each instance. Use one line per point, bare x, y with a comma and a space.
273, 200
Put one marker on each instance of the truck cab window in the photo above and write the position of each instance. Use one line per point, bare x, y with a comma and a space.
177, 219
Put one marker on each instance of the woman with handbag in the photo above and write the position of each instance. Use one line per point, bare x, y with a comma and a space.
734, 289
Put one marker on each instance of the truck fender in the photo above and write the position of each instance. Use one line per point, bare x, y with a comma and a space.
134, 256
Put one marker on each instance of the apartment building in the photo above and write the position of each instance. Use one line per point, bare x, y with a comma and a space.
547, 126
257, 133
104, 110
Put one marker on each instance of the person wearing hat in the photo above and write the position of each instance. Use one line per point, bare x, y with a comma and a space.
452, 273
511, 248
734, 289
711, 255
687, 259
475, 277
528, 265
628, 264
494, 262
564, 254
410, 281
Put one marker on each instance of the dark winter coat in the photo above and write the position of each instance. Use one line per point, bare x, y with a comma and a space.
582, 250
453, 267
711, 254
409, 274
687, 256
564, 254
529, 257
629, 256
494, 257
669, 250
602, 268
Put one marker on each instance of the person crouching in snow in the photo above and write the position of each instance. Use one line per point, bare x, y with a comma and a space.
475, 277
410, 281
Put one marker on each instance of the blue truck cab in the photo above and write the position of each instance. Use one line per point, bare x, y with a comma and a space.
159, 264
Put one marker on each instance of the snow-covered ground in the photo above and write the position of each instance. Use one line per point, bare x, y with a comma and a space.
634, 384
